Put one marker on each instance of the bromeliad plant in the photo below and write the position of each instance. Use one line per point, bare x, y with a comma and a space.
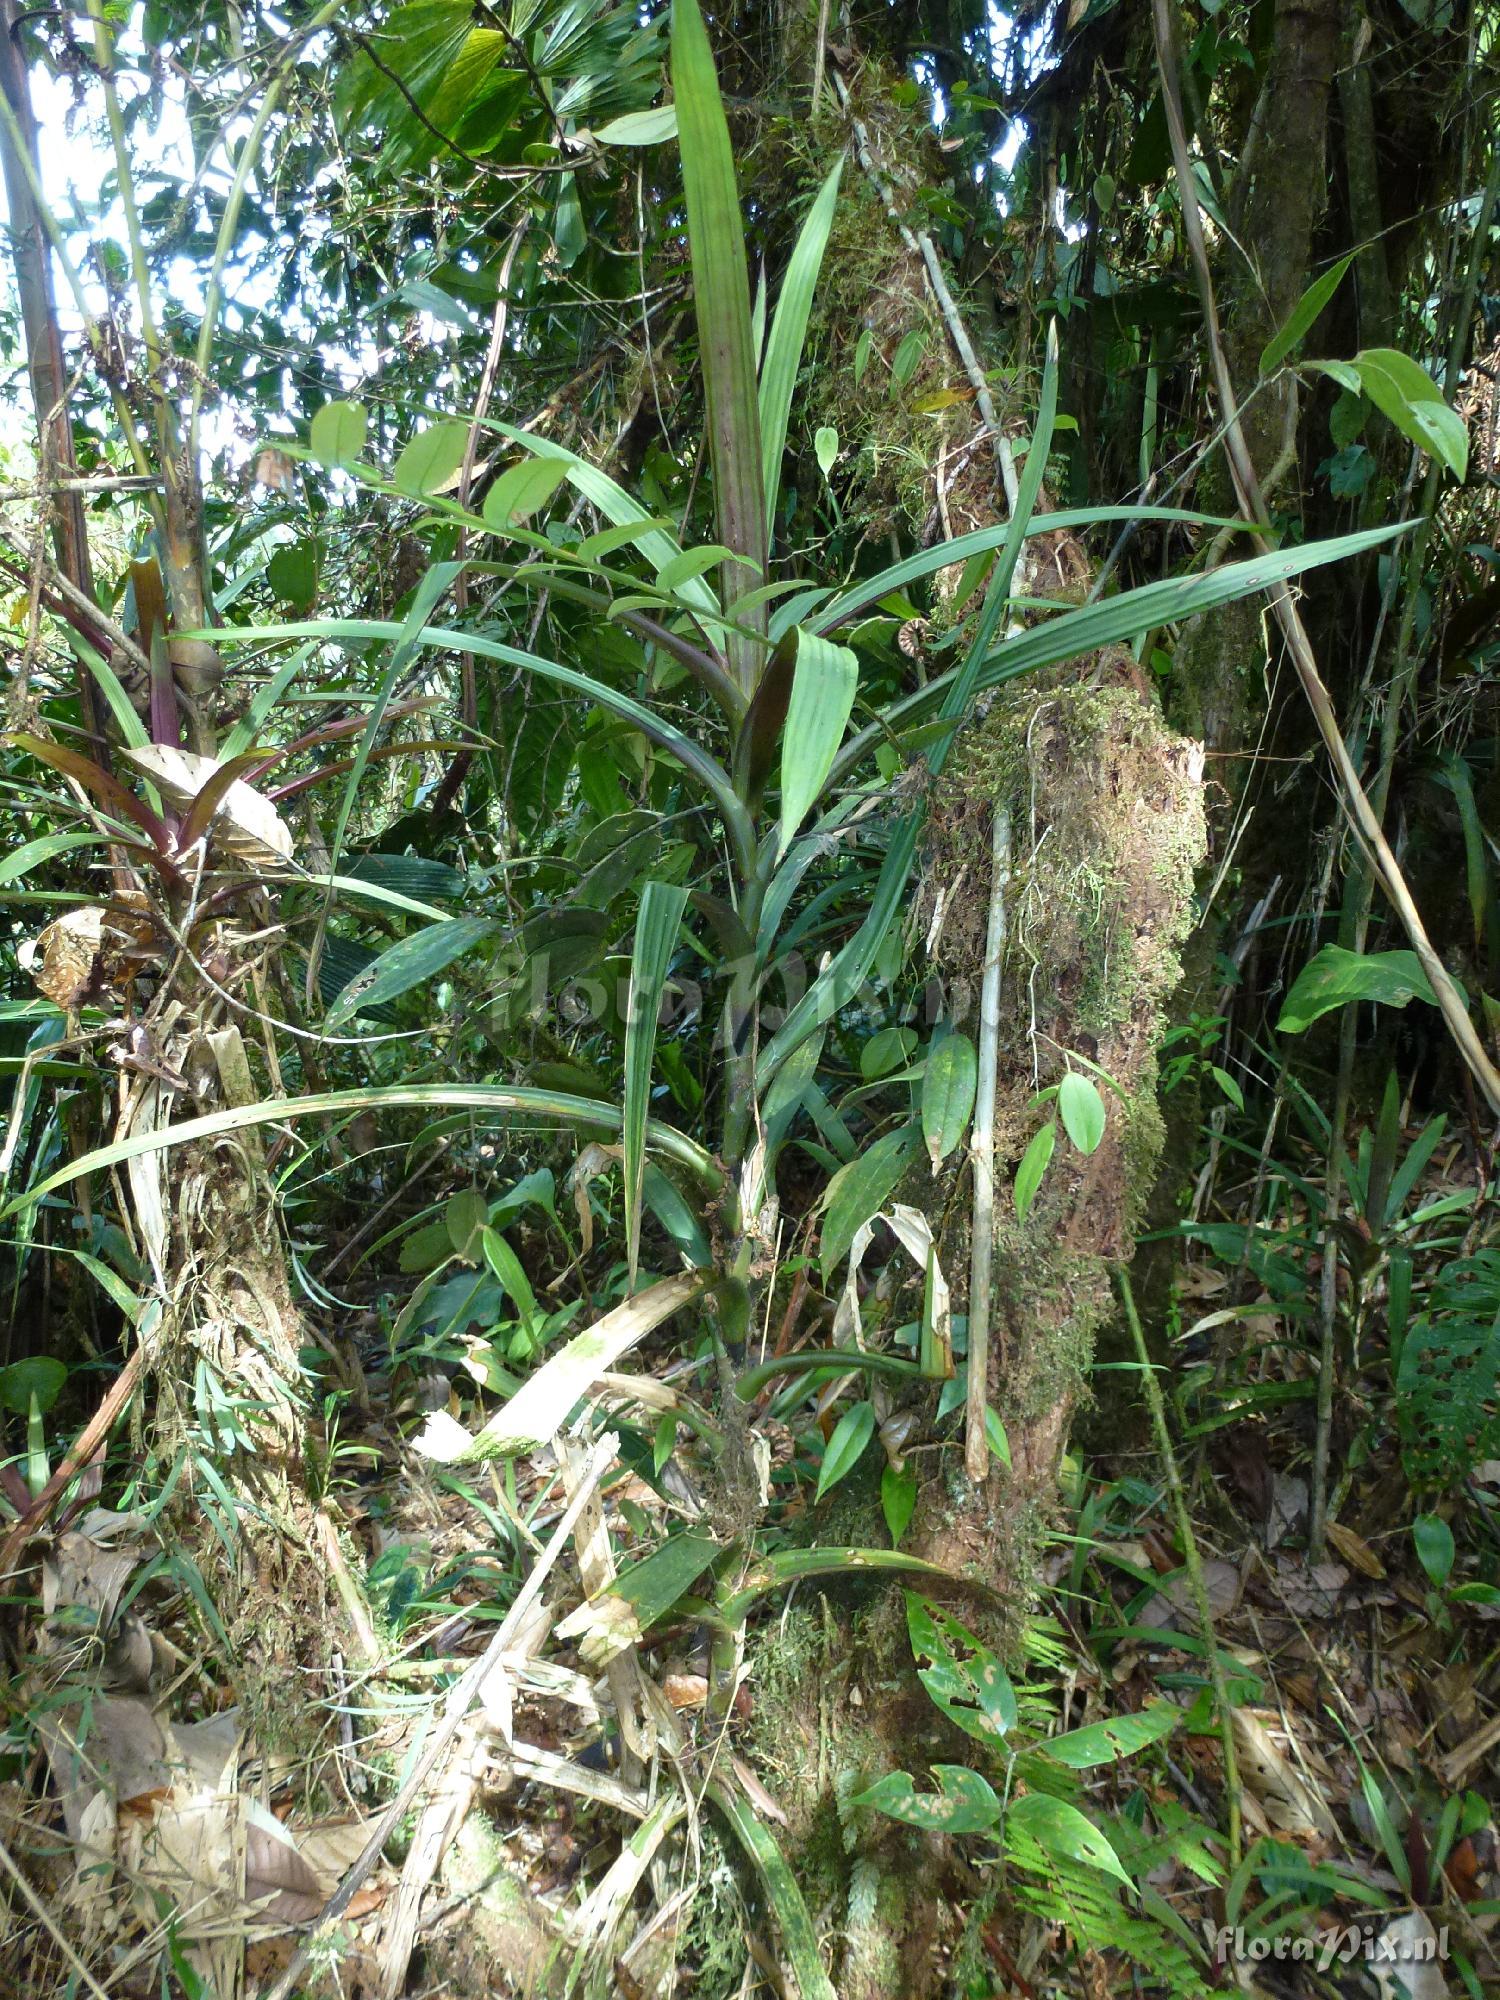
777, 775
767, 787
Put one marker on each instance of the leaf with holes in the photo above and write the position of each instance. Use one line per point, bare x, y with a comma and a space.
1061, 1831
1116, 1737
964, 1802
413, 962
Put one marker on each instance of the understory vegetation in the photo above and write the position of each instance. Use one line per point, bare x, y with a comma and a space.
751, 1000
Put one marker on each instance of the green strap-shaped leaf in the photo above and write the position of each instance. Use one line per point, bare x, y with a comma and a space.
662, 905
778, 375
1299, 322
499, 1100
412, 962
799, 1937
721, 289
824, 681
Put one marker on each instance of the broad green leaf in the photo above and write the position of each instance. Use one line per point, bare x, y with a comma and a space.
778, 375
1061, 1831
1228, 1085
1435, 1547
292, 573
898, 1500
824, 682
1081, 1109
413, 962
846, 1446
1335, 977
464, 1218
1403, 391
521, 490
721, 298
1300, 320
692, 563
949, 1080
506, 1266
995, 1435
544, 1402
887, 1049
640, 128
1034, 1163
965, 1802
39, 1378
652, 1586
1116, 1737
431, 459
660, 918
908, 357
337, 434
825, 448
861, 1188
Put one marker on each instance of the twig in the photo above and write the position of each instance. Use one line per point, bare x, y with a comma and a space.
461, 1698
45, 1918
1192, 1561
1361, 814
982, 1153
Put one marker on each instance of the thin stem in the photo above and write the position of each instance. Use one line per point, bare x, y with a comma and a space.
1193, 1563
982, 1154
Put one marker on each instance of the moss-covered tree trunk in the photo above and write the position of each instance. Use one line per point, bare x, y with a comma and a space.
1105, 809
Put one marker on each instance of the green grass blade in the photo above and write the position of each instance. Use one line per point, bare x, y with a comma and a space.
721, 290
662, 905
778, 375
497, 1098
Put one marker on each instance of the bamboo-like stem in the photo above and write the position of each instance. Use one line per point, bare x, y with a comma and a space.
1193, 1563
982, 1155
244, 165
